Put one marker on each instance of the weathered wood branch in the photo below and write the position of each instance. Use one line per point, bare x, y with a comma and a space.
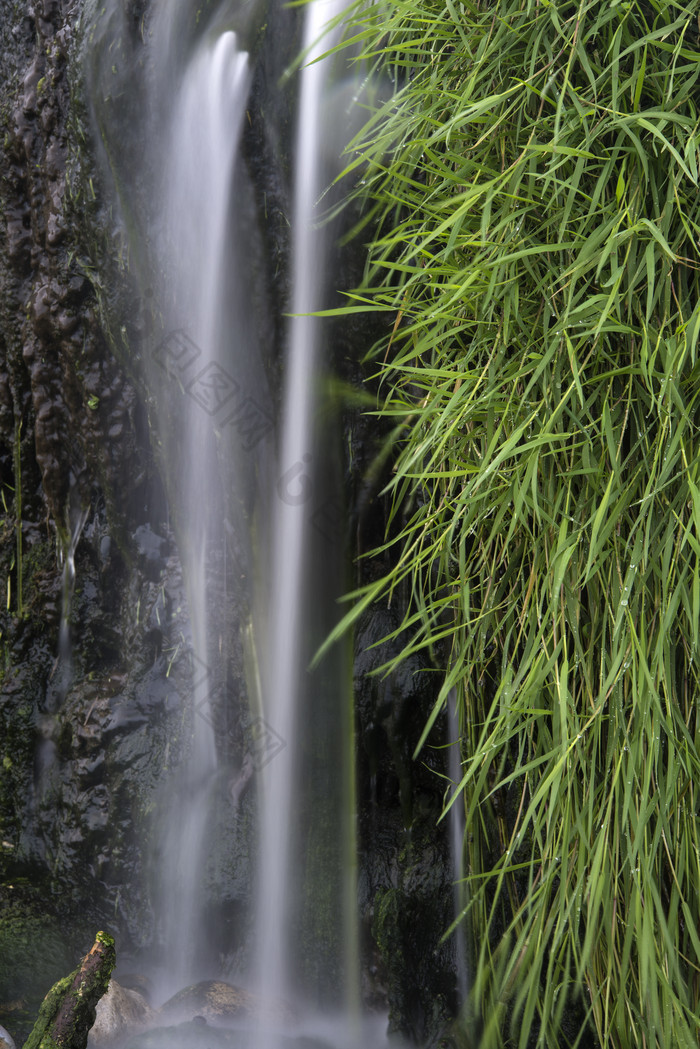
68, 1010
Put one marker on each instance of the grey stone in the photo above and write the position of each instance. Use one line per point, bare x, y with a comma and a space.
6, 1039
120, 1011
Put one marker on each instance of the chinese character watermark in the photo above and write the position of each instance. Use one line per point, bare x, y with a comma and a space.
296, 488
213, 389
263, 743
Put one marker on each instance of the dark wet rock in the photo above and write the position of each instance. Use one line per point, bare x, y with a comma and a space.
405, 883
61, 392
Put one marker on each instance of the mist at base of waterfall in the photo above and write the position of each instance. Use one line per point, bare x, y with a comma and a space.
316, 1032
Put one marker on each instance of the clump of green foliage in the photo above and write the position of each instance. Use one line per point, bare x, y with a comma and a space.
533, 185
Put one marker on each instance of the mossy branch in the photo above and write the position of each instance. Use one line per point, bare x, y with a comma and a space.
68, 1010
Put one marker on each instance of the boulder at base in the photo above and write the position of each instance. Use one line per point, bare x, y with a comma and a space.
220, 1004
6, 1039
121, 1011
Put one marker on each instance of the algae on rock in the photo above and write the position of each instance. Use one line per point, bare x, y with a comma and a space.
68, 1010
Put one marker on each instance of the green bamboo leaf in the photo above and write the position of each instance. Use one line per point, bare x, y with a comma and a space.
535, 250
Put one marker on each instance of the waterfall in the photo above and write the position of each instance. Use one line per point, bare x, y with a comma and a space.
294, 699
198, 167
205, 361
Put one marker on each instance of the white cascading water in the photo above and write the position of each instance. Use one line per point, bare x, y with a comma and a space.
198, 174
285, 678
200, 97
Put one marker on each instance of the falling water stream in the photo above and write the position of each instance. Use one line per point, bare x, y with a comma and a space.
285, 679
206, 357
198, 156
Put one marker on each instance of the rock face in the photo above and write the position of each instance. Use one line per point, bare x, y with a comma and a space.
70, 419
87, 750
405, 871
